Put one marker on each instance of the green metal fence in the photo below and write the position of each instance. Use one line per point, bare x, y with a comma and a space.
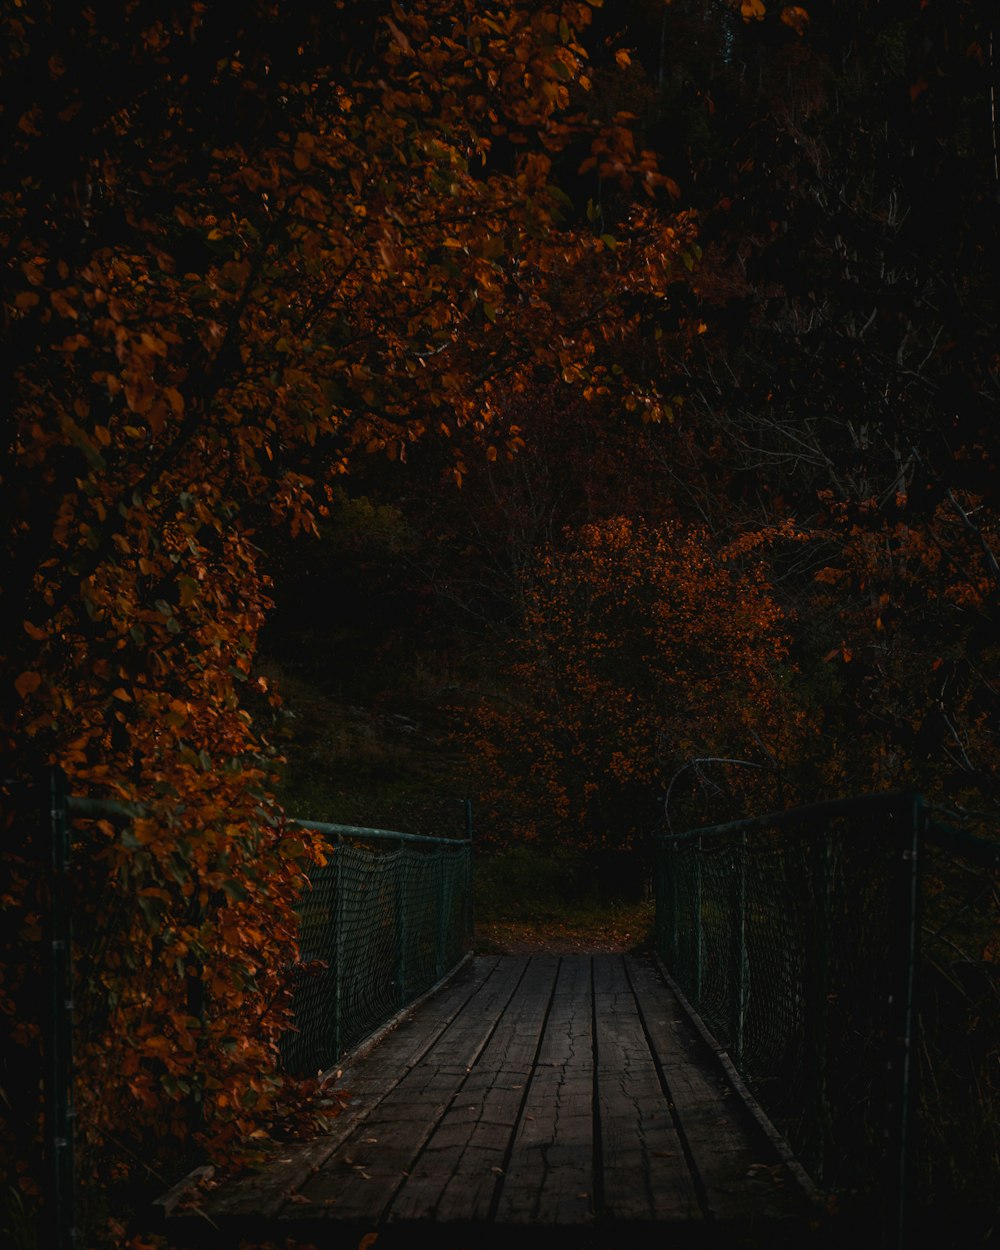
796, 937
388, 916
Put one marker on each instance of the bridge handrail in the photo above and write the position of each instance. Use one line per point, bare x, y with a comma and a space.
375, 835
791, 815
977, 850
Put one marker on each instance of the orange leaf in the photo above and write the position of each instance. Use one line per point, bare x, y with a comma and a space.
27, 684
399, 37
795, 17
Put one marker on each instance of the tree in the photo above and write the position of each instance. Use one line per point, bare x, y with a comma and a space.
845, 169
237, 254
643, 648
909, 603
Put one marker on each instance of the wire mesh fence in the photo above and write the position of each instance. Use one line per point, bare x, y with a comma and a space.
956, 1138
387, 917
795, 938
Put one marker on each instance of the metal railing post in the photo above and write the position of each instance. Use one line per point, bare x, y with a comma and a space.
659, 895
699, 931
739, 952
338, 931
912, 815
401, 928
818, 1002
440, 873
58, 1070
674, 933
470, 901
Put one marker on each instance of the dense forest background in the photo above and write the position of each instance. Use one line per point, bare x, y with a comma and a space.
822, 458
587, 409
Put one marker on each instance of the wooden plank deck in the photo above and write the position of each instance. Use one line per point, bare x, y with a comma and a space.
530, 1096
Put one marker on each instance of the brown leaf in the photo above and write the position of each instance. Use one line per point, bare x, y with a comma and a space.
399, 37
27, 684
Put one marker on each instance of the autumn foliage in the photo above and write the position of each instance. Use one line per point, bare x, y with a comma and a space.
244, 252
239, 251
644, 647
909, 604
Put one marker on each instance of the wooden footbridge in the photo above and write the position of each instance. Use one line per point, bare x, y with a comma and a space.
833, 959
528, 1097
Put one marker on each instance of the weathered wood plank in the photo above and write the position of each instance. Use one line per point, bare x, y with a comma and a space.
358, 1180
528, 1095
645, 1174
549, 1178
741, 1177
459, 1171
264, 1193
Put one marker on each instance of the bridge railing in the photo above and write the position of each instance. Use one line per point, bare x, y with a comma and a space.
956, 1128
796, 938
387, 917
